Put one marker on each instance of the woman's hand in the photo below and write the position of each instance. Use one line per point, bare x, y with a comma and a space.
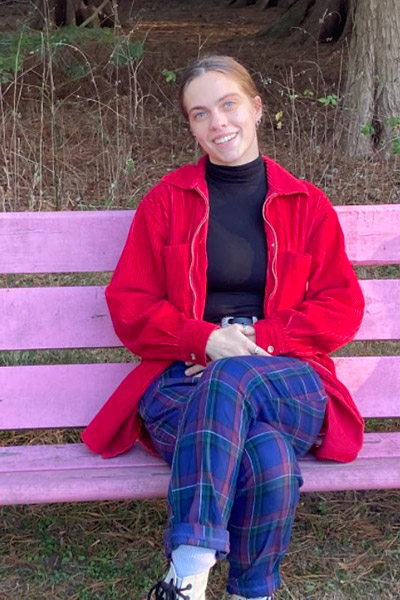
194, 369
248, 331
232, 341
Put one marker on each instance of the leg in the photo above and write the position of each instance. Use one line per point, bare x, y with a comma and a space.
231, 394
162, 407
260, 525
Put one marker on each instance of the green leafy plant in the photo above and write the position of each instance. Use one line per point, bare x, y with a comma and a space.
396, 145
329, 100
394, 123
126, 52
170, 76
265, 80
278, 119
367, 129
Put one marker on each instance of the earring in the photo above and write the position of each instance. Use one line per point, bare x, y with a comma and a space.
258, 123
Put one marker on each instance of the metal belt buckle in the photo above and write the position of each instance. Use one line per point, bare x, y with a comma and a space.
225, 321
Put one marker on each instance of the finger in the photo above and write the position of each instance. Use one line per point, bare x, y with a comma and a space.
248, 330
258, 351
191, 373
188, 364
194, 369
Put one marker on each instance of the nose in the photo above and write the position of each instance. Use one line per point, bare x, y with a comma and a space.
218, 119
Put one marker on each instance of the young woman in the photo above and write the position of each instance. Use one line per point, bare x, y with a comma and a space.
233, 287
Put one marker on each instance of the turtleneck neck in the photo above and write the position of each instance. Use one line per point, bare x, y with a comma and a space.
248, 173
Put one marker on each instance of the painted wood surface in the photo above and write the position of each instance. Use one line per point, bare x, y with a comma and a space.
61, 242
71, 473
69, 395
78, 317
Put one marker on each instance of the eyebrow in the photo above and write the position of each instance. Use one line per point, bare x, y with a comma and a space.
219, 100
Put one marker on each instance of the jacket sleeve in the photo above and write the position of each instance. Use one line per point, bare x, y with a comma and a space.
331, 311
143, 318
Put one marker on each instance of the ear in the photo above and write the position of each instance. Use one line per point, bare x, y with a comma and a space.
257, 102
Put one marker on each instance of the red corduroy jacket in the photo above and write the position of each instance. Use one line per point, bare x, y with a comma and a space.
313, 302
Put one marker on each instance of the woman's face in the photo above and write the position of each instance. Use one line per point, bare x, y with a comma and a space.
223, 118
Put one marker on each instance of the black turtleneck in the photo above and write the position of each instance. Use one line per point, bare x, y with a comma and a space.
236, 244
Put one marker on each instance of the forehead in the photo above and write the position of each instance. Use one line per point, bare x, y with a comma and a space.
209, 88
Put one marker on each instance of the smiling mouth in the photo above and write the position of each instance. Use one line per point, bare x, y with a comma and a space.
225, 139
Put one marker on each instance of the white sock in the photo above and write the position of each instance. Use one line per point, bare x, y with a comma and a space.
191, 560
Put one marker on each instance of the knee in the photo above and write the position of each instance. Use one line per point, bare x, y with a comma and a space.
231, 369
227, 376
216, 367
271, 460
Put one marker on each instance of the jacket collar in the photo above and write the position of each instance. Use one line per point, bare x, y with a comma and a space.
280, 181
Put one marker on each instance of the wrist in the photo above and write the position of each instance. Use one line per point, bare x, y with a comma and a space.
195, 337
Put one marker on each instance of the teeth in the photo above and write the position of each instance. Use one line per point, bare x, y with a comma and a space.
225, 139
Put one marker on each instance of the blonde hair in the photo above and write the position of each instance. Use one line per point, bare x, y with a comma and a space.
222, 64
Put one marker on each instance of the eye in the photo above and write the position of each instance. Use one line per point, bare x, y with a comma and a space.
229, 104
198, 116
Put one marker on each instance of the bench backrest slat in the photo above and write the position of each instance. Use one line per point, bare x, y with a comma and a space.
59, 317
62, 242
69, 395
78, 317
65, 242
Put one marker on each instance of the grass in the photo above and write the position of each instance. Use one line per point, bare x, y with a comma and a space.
345, 546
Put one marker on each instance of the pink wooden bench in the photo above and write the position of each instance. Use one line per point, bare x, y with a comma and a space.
66, 396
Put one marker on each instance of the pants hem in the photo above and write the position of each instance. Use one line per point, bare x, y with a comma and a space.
198, 535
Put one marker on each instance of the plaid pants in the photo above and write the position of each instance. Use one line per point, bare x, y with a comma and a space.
232, 438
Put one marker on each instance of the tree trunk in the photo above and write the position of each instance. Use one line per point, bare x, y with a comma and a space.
371, 109
240, 3
51, 13
43, 14
310, 20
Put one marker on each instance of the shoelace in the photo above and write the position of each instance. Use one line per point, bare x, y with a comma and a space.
168, 591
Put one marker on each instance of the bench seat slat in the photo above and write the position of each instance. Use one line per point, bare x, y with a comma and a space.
79, 485
58, 457
78, 317
70, 473
69, 395
64, 242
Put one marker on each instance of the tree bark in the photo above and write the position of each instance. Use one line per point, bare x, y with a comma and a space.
371, 105
51, 13
310, 20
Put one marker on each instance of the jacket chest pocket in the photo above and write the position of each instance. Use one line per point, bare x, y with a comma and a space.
293, 271
177, 266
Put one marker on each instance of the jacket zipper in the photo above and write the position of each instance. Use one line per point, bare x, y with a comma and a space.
275, 246
192, 250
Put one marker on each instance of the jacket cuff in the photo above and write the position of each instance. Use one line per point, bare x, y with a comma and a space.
195, 335
270, 335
